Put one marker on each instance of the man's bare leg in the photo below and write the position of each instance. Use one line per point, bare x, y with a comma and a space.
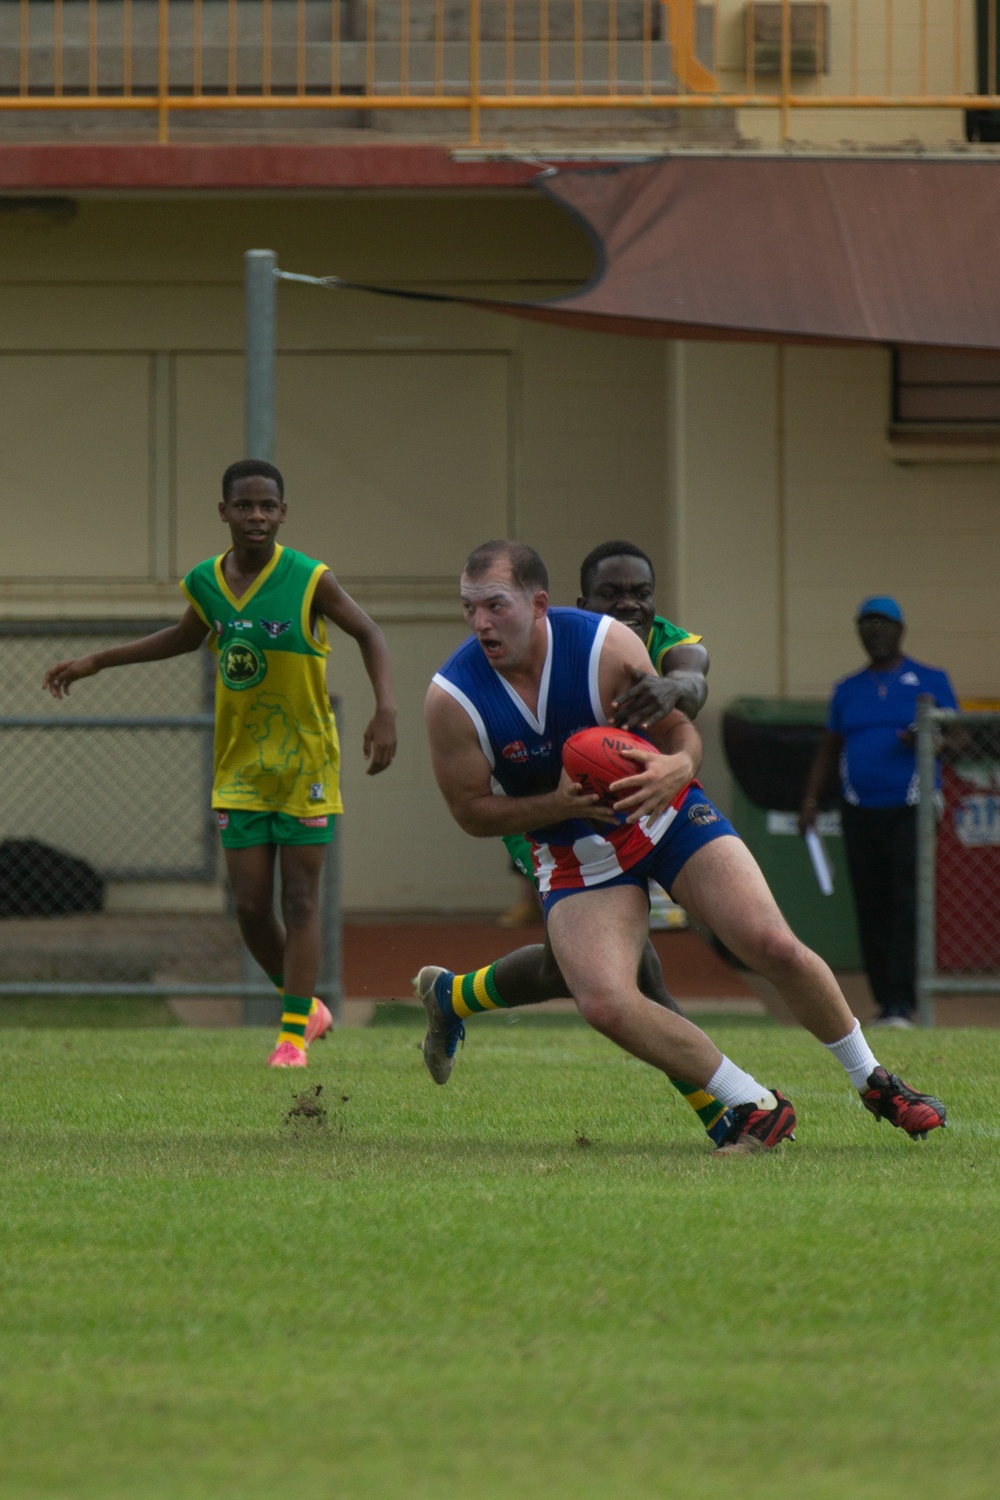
289, 955
251, 877
723, 886
531, 975
597, 937
301, 868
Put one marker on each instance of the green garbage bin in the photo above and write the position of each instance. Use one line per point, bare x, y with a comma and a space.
770, 744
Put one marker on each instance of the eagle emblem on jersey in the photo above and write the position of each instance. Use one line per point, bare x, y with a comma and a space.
242, 665
274, 628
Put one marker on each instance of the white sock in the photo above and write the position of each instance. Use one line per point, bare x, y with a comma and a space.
732, 1086
854, 1055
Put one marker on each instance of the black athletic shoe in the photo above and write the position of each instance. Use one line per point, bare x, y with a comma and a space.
889, 1098
756, 1129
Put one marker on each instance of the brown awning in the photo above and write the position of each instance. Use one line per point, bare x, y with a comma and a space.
828, 251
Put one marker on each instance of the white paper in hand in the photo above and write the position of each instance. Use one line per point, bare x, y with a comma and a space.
822, 868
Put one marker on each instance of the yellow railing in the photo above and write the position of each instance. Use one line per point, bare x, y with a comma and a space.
498, 55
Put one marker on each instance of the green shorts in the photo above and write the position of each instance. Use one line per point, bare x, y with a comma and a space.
519, 849
242, 830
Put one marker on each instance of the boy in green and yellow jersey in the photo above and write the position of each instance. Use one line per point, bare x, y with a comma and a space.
616, 579
276, 785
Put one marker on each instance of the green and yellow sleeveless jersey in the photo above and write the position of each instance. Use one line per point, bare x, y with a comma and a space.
661, 638
276, 746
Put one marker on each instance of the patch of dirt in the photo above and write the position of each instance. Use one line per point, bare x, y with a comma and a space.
308, 1105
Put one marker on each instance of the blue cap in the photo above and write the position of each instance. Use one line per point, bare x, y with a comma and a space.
880, 604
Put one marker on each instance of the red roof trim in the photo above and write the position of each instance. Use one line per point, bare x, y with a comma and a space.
79, 168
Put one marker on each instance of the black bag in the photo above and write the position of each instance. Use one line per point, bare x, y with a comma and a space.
38, 881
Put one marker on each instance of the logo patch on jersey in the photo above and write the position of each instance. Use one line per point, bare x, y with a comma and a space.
702, 813
315, 791
275, 628
910, 679
218, 626
515, 751
323, 822
223, 820
242, 665
242, 624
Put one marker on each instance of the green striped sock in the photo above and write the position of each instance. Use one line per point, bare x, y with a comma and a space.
705, 1105
294, 1015
475, 992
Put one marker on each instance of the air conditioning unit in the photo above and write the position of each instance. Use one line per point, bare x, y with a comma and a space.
809, 41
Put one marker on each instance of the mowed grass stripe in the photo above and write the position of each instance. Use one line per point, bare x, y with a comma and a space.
440, 1293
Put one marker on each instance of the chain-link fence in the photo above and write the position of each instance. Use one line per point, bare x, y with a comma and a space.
111, 877
958, 855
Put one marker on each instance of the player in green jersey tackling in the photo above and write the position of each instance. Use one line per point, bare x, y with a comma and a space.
617, 579
276, 784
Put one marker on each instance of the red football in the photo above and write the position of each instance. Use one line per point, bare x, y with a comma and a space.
594, 758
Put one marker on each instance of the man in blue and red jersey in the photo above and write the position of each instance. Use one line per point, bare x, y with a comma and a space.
870, 736
498, 714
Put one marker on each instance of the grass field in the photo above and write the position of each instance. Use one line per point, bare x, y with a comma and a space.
533, 1283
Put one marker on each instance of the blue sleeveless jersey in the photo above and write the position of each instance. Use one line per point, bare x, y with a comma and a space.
524, 750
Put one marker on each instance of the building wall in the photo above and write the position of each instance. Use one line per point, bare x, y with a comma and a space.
759, 479
407, 432
787, 509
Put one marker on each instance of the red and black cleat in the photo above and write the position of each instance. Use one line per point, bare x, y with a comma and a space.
756, 1129
889, 1098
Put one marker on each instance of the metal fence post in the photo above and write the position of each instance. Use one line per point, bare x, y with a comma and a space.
258, 388
260, 283
926, 860
331, 979
331, 985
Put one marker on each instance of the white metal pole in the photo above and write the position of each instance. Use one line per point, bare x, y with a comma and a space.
260, 280
926, 860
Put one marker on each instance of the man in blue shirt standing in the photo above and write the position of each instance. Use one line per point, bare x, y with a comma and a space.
870, 735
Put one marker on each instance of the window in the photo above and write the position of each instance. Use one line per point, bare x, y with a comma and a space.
945, 388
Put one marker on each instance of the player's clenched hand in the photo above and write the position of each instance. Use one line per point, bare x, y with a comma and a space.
59, 678
648, 700
651, 791
380, 741
571, 801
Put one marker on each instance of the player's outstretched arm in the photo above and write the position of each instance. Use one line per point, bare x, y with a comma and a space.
380, 732
649, 699
463, 774
176, 640
663, 772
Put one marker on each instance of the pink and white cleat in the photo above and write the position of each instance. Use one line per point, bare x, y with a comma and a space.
287, 1055
319, 1023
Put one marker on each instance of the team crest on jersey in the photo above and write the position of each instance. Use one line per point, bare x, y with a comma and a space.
515, 751
242, 665
315, 791
702, 813
274, 628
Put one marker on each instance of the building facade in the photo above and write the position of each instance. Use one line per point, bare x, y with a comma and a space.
765, 480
